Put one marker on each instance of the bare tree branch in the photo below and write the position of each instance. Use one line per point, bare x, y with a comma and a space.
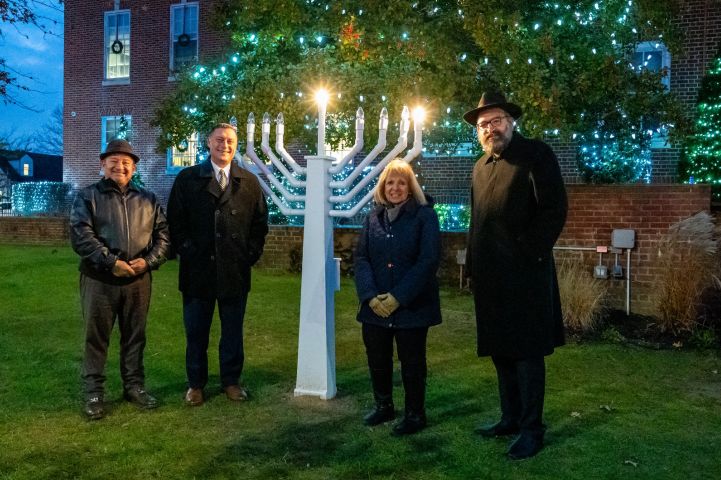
17, 13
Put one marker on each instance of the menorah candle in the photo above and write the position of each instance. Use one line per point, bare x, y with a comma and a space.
321, 97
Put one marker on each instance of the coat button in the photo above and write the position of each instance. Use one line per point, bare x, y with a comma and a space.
390, 265
388, 235
234, 236
233, 212
217, 212
217, 235
212, 258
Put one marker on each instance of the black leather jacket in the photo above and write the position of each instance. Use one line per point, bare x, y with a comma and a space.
107, 224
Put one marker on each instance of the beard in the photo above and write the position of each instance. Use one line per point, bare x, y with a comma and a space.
495, 142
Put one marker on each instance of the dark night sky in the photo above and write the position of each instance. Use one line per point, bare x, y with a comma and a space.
39, 56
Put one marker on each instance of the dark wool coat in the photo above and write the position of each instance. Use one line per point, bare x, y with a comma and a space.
218, 235
401, 258
518, 210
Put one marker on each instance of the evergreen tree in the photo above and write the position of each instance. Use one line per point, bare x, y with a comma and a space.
567, 64
124, 132
701, 162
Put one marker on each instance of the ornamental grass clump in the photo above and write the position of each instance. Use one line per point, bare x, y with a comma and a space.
582, 297
688, 261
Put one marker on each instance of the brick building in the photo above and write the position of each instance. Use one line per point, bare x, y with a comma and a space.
103, 87
120, 56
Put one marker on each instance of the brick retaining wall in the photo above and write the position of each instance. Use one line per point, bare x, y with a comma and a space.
35, 230
595, 211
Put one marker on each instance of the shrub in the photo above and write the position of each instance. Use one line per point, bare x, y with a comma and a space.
41, 198
688, 260
582, 296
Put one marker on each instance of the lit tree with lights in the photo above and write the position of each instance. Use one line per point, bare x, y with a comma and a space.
701, 162
368, 54
124, 132
568, 64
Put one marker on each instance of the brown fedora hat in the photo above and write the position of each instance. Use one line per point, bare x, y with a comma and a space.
119, 145
492, 100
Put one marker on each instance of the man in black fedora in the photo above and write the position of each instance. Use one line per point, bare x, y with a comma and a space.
120, 232
518, 209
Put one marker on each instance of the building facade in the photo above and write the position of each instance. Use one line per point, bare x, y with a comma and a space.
120, 56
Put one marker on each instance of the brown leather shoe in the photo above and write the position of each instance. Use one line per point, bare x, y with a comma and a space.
236, 393
194, 397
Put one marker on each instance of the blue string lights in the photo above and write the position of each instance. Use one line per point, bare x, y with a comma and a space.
549, 42
40, 198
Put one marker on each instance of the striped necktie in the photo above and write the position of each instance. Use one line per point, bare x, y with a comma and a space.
223, 180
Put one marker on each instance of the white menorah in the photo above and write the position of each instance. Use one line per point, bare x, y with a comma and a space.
321, 271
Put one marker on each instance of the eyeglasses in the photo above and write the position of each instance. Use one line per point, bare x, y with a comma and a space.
494, 122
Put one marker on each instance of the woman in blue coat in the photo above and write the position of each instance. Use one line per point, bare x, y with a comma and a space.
395, 274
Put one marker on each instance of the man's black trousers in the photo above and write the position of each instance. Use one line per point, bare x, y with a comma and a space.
521, 386
102, 304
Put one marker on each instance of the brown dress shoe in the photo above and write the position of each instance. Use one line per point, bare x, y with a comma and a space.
194, 397
236, 393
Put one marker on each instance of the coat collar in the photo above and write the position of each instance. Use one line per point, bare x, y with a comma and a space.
206, 171
107, 185
410, 207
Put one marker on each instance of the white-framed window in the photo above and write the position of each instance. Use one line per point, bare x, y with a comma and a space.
654, 57
183, 155
117, 47
26, 169
341, 151
115, 127
183, 35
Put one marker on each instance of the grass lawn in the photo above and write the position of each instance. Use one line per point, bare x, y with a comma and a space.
663, 418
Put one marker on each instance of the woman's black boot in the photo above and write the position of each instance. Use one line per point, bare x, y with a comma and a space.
381, 413
411, 423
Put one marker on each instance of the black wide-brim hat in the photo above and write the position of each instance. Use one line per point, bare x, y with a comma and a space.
492, 100
119, 145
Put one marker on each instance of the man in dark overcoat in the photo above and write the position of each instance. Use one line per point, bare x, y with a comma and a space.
218, 221
518, 209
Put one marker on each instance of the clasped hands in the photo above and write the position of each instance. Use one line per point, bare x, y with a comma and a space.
384, 304
131, 268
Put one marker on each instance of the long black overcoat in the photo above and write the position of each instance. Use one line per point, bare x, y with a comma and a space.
218, 234
400, 257
518, 210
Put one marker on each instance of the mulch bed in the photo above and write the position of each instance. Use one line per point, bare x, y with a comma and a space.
644, 331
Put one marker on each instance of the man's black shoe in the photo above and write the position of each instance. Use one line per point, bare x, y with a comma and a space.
410, 424
140, 398
381, 413
500, 429
525, 446
94, 408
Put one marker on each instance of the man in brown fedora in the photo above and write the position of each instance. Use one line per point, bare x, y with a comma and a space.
518, 209
120, 232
